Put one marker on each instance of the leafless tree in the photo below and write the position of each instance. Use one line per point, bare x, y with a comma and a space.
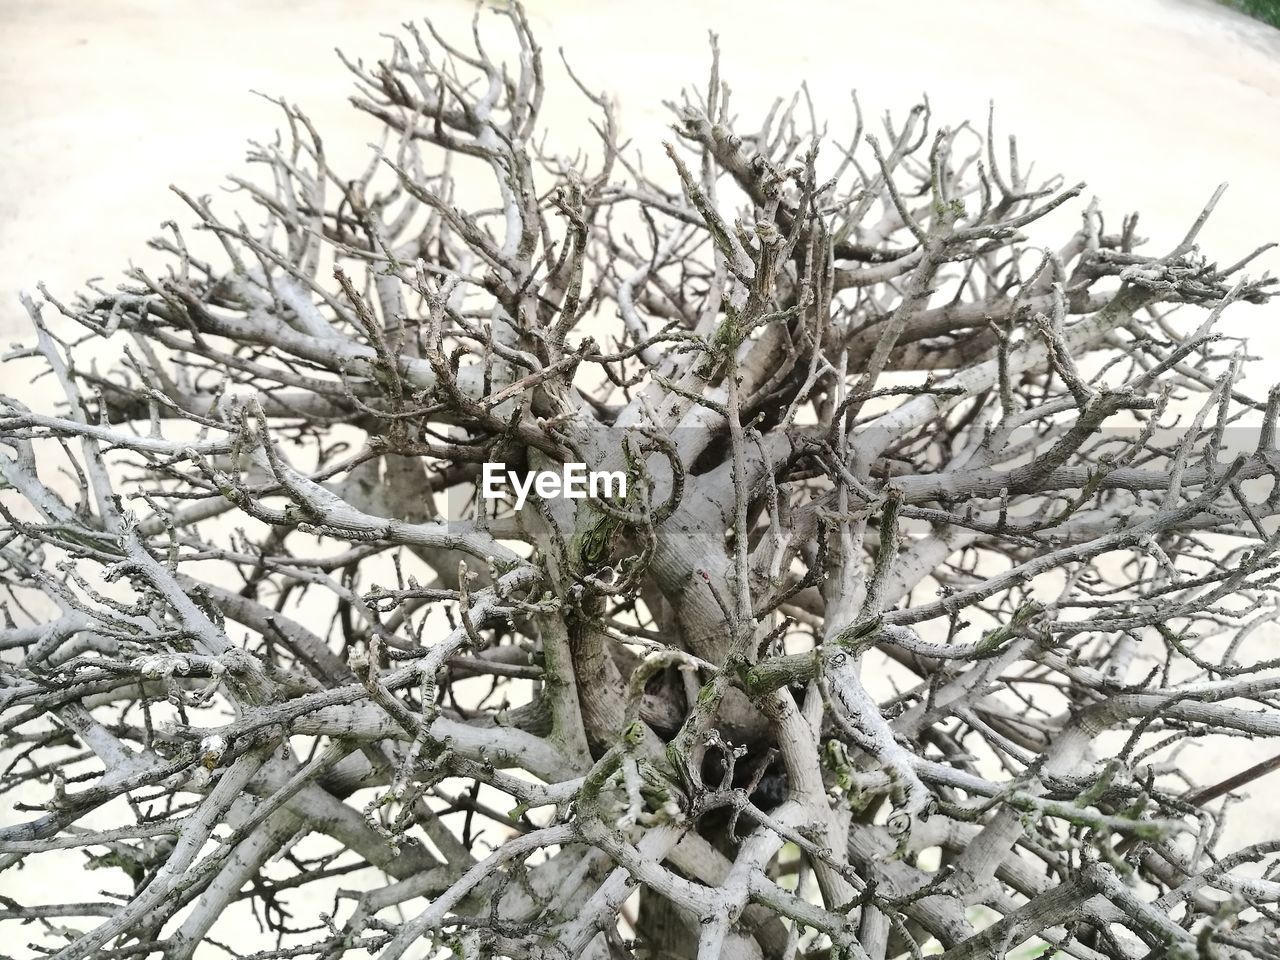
937, 547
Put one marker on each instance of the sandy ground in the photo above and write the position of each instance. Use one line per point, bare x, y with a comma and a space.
1153, 102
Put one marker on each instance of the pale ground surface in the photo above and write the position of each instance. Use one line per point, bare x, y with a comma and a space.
1153, 102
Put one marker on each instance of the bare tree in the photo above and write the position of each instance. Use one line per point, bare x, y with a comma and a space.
928, 551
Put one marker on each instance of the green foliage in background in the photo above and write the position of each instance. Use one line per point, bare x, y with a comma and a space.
1268, 11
